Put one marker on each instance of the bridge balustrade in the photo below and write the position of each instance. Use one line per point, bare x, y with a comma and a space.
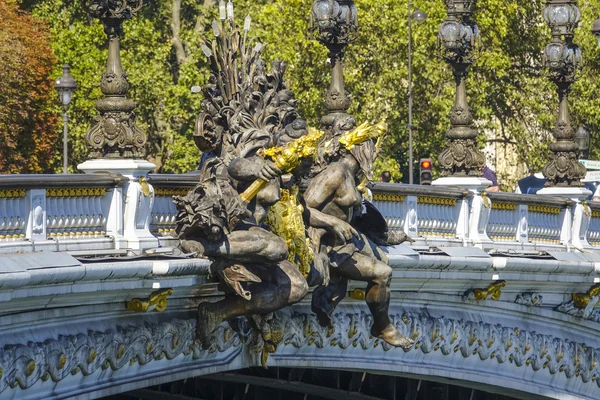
58, 212
86, 212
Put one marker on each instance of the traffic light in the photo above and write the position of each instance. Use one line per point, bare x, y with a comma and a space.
425, 173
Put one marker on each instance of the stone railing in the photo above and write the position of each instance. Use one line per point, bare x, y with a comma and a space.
162, 218
58, 212
444, 216
89, 213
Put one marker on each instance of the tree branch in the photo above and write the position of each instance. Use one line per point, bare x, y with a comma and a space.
176, 28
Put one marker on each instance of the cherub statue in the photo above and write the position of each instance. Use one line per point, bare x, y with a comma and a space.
345, 159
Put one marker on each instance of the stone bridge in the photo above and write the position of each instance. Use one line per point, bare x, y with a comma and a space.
498, 290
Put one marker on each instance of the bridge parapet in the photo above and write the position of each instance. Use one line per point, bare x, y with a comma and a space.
86, 213
58, 212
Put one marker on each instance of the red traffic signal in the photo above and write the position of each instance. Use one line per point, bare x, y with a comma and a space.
426, 171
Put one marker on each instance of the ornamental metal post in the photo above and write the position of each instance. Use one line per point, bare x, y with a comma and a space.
459, 37
334, 23
115, 134
419, 16
66, 86
563, 59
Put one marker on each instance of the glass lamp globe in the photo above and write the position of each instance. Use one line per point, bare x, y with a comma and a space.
419, 16
347, 13
555, 54
324, 10
562, 16
452, 34
65, 86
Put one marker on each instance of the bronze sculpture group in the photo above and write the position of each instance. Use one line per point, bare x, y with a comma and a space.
279, 207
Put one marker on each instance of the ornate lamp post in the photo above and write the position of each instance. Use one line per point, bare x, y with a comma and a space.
459, 37
65, 86
418, 16
563, 59
582, 138
115, 134
334, 23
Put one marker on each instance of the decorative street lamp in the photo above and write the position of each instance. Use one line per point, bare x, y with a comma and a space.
418, 16
582, 138
334, 23
115, 134
563, 59
459, 37
65, 86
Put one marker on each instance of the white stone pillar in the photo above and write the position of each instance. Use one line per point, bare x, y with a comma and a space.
129, 217
577, 218
475, 212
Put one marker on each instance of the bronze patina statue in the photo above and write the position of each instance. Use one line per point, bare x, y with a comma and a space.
344, 160
270, 220
243, 110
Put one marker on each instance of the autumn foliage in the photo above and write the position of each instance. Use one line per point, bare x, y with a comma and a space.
28, 127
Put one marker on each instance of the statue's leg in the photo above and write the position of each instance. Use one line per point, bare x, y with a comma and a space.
251, 245
378, 275
281, 285
325, 298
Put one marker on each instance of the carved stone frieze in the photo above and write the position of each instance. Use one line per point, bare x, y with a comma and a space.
25, 364
56, 358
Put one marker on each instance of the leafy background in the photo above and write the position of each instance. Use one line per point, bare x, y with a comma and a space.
508, 91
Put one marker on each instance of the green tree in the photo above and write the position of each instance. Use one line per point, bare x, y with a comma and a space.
507, 88
27, 127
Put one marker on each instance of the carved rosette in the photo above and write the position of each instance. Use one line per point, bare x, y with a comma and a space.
115, 133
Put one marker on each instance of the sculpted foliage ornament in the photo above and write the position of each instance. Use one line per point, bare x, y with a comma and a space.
115, 133
86, 354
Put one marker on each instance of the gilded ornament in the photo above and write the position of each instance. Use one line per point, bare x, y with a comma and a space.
286, 158
121, 351
12, 193
544, 209
397, 198
92, 355
285, 220
494, 290
581, 300
62, 360
362, 133
438, 201
145, 186
169, 192
30, 368
504, 206
157, 301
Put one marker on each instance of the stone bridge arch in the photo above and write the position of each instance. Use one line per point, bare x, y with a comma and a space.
525, 352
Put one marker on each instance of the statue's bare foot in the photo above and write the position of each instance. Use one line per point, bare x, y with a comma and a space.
391, 335
192, 246
207, 322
